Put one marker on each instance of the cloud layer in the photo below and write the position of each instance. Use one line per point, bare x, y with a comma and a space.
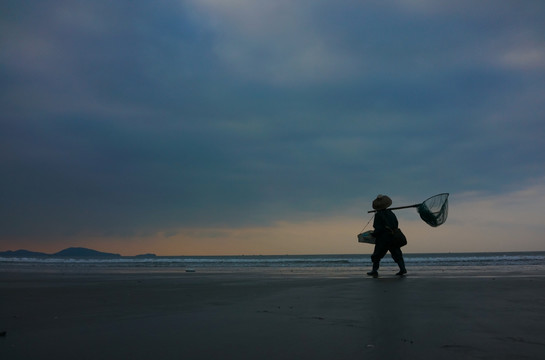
132, 119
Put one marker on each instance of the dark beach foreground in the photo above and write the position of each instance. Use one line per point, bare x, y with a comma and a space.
268, 315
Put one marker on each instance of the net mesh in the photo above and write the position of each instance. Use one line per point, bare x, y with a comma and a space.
434, 211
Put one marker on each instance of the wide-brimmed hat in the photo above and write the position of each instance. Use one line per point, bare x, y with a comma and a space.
382, 202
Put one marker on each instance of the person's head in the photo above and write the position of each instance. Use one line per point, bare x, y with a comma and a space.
382, 202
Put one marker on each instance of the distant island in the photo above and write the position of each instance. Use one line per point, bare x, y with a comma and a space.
72, 252
146, 256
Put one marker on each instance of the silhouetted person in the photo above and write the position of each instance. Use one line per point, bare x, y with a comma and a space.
384, 223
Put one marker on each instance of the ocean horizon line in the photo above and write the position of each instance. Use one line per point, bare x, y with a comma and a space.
98, 253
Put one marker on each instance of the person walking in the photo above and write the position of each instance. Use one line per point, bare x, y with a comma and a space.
384, 223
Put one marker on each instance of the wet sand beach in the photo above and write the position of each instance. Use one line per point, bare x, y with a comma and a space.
267, 315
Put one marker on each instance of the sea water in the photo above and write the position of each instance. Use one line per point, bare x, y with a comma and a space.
332, 264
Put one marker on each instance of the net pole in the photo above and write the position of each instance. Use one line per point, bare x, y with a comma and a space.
397, 208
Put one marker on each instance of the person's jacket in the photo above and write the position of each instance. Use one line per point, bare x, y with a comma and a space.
385, 221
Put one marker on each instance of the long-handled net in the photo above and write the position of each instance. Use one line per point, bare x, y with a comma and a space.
433, 211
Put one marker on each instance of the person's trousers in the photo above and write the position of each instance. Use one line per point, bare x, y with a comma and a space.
382, 246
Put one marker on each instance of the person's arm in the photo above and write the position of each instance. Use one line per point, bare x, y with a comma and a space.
379, 224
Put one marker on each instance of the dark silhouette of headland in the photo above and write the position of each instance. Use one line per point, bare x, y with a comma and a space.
72, 252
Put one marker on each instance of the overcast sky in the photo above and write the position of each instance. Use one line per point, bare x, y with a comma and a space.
268, 127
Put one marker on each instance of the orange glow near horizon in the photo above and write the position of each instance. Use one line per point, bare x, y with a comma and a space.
508, 223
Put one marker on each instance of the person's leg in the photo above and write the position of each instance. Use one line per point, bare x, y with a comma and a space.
397, 255
380, 250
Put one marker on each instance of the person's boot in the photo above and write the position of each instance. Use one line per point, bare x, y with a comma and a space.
402, 270
374, 272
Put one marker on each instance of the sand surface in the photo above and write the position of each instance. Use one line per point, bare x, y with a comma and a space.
263, 315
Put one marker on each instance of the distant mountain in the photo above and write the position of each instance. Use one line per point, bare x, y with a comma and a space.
23, 254
73, 252
145, 256
83, 252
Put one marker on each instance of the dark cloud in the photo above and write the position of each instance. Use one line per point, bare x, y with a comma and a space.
132, 117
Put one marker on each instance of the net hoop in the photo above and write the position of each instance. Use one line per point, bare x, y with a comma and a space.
434, 210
